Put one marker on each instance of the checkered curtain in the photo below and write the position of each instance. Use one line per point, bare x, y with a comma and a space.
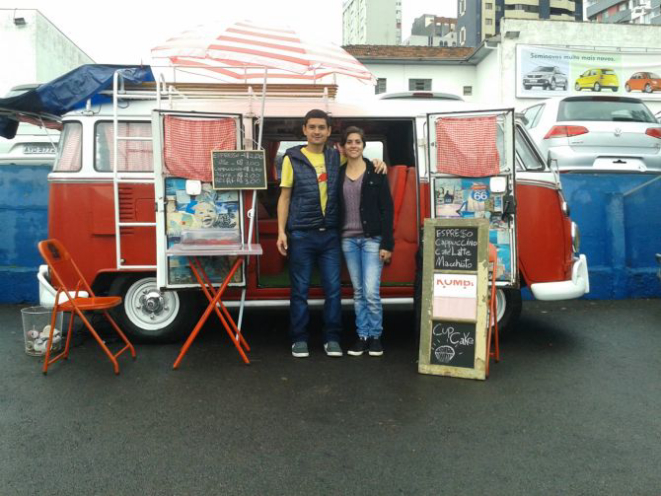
70, 153
189, 142
133, 156
466, 146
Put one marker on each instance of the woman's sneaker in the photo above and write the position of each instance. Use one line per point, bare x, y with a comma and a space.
358, 348
375, 348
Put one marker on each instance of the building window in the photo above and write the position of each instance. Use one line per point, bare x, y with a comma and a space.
462, 36
488, 6
462, 7
380, 86
468, 90
488, 22
419, 84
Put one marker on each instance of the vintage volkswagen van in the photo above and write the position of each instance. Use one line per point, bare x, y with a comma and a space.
106, 217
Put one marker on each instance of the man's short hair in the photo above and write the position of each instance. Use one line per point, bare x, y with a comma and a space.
317, 114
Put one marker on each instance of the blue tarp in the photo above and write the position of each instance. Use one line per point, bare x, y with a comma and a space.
65, 93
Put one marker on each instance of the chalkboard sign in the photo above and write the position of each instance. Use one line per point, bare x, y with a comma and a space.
453, 319
238, 169
455, 248
452, 344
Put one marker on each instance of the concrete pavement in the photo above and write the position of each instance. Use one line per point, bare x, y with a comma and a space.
572, 409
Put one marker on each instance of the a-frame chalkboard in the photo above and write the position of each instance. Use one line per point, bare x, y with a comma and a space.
453, 325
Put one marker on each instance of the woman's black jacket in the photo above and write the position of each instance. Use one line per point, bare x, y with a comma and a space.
376, 208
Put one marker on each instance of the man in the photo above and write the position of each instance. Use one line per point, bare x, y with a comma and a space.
309, 230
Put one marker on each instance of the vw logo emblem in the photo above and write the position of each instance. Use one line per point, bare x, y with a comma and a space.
618, 131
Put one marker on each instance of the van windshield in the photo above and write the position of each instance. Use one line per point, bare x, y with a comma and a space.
600, 109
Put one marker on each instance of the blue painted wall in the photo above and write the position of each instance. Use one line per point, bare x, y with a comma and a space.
619, 216
23, 223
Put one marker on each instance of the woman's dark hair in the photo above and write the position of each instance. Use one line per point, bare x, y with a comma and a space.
316, 114
352, 130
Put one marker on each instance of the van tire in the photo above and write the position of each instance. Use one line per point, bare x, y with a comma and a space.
597, 87
648, 88
173, 316
577, 87
509, 315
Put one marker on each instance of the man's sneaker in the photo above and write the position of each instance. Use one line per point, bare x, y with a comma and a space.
375, 348
358, 348
332, 349
300, 349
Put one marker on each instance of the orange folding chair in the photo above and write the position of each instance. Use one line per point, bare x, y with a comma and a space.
63, 270
493, 307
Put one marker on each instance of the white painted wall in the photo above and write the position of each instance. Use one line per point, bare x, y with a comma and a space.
36, 52
488, 86
445, 78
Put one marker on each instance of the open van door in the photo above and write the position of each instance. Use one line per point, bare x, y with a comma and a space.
188, 208
471, 175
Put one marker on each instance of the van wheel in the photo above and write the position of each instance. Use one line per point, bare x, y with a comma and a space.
508, 310
577, 87
615, 88
552, 86
526, 86
597, 87
148, 315
628, 88
564, 87
648, 88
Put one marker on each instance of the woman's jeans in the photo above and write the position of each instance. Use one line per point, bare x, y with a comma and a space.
306, 249
364, 264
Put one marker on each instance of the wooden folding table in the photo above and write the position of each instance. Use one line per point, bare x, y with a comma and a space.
192, 253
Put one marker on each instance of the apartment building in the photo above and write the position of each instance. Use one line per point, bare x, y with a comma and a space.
432, 30
480, 19
624, 11
372, 22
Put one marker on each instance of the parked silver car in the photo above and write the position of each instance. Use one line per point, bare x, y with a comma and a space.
549, 77
601, 132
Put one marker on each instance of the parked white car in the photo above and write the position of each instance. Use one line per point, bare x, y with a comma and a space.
32, 145
601, 132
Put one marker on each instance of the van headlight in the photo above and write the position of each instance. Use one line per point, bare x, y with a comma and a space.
575, 237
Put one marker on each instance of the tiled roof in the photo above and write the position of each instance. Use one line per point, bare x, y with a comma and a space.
408, 52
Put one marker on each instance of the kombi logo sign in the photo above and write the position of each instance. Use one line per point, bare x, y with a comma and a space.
455, 285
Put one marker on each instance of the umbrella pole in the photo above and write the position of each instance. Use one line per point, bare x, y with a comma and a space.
252, 213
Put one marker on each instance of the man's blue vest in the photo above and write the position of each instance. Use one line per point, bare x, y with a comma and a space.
305, 206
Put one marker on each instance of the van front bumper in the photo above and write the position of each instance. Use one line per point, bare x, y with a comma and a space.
565, 290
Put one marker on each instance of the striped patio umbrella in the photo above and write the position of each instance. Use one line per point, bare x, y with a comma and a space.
239, 52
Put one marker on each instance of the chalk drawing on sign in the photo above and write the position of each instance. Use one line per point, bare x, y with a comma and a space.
444, 354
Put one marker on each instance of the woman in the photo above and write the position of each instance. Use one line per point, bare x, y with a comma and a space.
367, 238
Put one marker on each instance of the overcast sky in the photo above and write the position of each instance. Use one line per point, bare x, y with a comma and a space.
124, 31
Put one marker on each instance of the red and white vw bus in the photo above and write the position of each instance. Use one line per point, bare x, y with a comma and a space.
107, 218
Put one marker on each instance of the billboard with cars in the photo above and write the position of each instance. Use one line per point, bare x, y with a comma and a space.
544, 71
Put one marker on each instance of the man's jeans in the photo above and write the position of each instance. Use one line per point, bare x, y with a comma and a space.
305, 249
364, 264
